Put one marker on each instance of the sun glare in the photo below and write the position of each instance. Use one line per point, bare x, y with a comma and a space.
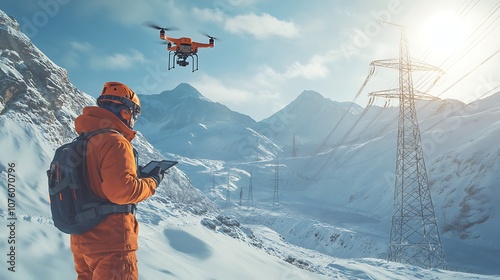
444, 32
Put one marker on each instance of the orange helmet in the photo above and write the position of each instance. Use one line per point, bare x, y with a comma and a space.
120, 94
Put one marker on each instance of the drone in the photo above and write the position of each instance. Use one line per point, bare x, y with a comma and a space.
180, 49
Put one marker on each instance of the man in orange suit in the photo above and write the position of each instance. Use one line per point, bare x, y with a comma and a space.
108, 251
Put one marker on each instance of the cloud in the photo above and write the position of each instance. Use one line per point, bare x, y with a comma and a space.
216, 90
209, 15
232, 6
131, 11
117, 61
241, 3
73, 55
245, 96
314, 68
81, 52
260, 26
81, 46
311, 70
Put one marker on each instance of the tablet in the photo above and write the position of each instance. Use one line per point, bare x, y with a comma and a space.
164, 165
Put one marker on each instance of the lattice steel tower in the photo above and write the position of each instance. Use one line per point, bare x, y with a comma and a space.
250, 190
228, 192
276, 197
414, 232
241, 196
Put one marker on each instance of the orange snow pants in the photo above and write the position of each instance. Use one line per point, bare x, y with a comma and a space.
107, 266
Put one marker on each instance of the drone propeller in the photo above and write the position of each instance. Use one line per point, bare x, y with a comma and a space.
211, 37
155, 26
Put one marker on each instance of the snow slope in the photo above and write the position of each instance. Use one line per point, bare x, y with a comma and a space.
348, 187
184, 122
183, 235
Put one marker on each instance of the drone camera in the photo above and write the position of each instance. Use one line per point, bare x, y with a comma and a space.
180, 49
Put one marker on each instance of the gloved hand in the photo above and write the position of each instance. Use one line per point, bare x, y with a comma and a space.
157, 175
139, 173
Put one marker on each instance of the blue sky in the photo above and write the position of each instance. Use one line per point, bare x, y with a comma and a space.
270, 50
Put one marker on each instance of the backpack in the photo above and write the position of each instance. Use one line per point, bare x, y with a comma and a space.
75, 208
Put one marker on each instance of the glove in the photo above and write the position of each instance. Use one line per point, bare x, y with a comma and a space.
139, 173
157, 175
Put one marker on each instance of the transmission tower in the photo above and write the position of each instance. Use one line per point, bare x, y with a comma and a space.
276, 198
250, 190
294, 149
228, 197
241, 195
414, 232
228, 193
212, 190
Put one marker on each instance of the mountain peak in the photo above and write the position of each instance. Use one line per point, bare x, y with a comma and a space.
185, 89
310, 94
8, 20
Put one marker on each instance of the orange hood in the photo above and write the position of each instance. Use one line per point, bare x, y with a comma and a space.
94, 118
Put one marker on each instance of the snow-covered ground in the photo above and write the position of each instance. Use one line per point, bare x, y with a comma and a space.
179, 247
333, 227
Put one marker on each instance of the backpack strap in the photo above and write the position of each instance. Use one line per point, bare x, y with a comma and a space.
71, 181
98, 210
68, 181
105, 209
88, 135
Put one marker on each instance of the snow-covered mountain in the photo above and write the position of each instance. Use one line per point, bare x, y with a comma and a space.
354, 173
332, 219
38, 105
184, 122
307, 118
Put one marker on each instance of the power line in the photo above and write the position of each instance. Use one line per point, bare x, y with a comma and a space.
474, 69
469, 47
467, 8
327, 138
323, 144
414, 235
340, 143
473, 42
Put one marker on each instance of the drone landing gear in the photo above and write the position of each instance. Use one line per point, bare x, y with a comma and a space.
181, 60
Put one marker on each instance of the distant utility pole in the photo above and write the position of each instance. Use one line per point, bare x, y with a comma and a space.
414, 232
276, 198
294, 149
228, 193
228, 197
241, 195
250, 190
212, 191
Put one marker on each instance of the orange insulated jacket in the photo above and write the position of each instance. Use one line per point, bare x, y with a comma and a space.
112, 174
